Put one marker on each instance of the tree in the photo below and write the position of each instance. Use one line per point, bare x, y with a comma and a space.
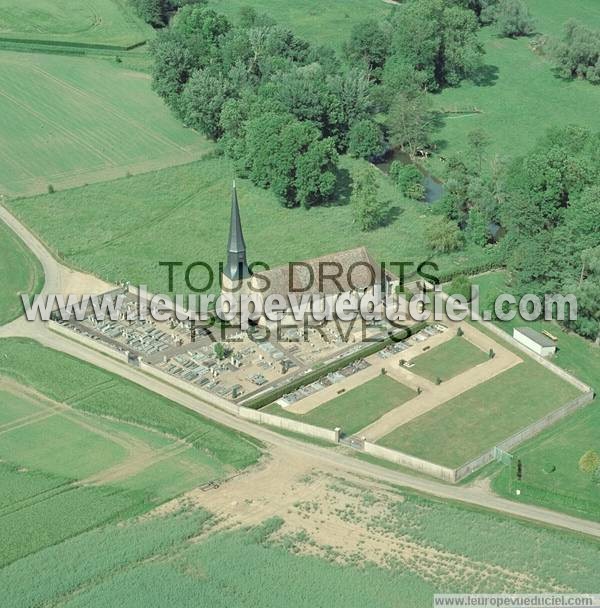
202, 102
438, 39
316, 173
369, 210
173, 64
478, 141
409, 179
443, 235
511, 18
289, 156
477, 228
151, 11
365, 139
219, 350
410, 121
369, 45
589, 462
578, 54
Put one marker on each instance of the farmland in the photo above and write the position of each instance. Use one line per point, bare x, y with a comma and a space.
478, 419
355, 409
79, 448
177, 558
20, 271
71, 120
192, 201
98, 22
448, 360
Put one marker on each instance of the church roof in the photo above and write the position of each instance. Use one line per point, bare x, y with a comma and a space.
358, 271
236, 268
236, 235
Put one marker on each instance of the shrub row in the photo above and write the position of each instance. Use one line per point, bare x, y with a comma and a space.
264, 400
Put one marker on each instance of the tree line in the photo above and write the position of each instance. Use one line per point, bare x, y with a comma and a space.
284, 109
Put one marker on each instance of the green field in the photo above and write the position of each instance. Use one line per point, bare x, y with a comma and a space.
448, 360
182, 214
21, 272
162, 561
520, 100
478, 419
68, 121
132, 448
105, 22
355, 409
329, 24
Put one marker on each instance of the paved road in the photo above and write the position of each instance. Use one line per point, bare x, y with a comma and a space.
472, 495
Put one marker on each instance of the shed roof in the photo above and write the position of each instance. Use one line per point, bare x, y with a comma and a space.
536, 336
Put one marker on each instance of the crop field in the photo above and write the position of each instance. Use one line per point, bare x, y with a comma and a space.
175, 559
80, 447
192, 203
99, 22
329, 24
355, 409
70, 120
448, 360
20, 271
479, 418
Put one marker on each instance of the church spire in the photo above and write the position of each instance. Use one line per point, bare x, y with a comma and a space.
237, 267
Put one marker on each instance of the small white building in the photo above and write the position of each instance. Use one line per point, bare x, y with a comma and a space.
535, 341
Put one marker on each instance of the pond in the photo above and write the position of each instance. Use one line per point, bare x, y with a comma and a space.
434, 189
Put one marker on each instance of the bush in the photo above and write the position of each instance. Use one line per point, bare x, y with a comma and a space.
511, 18
365, 139
443, 235
408, 179
50, 189
460, 285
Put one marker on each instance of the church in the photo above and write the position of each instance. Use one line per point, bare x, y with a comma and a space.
329, 277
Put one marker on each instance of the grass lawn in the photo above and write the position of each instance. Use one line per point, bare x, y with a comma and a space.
575, 354
565, 488
21, 272
475, 421
68, 121
520, 99
322, 23
355, 409
111, 22
182, 214
448, 359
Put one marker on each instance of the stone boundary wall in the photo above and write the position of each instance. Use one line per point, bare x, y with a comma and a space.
241, 411
411, 462
97, 345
